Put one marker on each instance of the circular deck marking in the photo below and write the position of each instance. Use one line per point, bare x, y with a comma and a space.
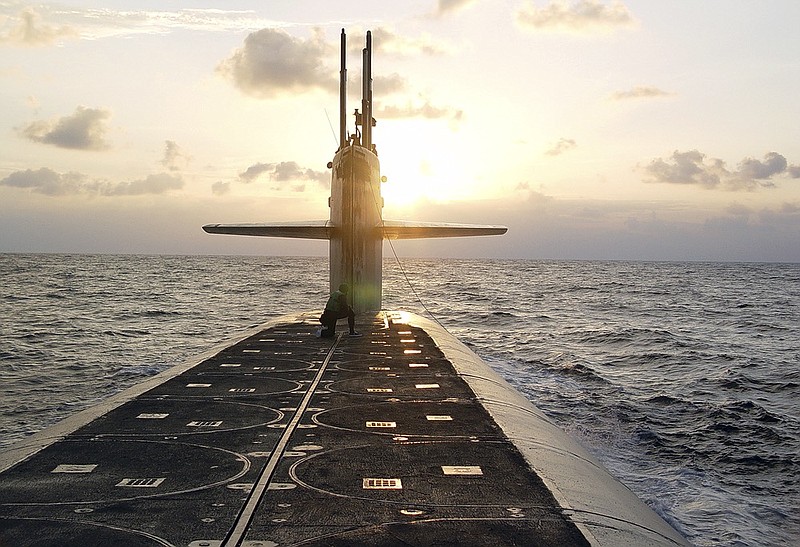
178, 413
481, 473
412, 418
402, 386
240, 486
120, 460
20, 531
217, 385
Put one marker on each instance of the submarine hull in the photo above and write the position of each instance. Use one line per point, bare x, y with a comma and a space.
402, 436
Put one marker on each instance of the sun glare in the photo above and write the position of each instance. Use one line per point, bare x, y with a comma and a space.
420, 164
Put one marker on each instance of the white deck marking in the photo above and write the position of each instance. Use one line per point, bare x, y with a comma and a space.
381, 484
142, 483
462, 470
74, 468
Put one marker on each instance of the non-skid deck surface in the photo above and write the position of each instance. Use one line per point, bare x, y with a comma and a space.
289, 439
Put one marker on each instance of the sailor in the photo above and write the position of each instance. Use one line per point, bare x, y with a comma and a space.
337, 308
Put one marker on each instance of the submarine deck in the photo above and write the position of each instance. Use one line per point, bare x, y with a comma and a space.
288, 439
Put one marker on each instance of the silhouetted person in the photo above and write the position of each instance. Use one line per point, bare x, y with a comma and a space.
338, 308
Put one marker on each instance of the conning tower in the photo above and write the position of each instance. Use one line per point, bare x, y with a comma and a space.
356, 228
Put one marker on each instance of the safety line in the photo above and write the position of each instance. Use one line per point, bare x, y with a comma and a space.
242, 524
400, 264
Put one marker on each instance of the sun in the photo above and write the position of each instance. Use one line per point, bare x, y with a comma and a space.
419, 164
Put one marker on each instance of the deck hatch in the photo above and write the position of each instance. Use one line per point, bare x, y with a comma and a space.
382, 484
74, 468
142, 483
462, 470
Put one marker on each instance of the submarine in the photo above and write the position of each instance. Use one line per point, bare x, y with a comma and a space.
402, 436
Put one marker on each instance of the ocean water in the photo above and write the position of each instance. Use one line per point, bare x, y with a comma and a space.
682, 378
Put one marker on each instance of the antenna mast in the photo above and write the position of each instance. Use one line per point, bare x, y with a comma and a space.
343, 94
366, 95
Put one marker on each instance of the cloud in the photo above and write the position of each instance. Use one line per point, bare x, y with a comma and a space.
687, 168
46, 181
98, 23
581, 16
738, 218
220, 188
84, 130
790, 208
446, 7
563, 145
738, 209
174, 158
692, 168
425, 110
385, 85
287, 173
773, 164
640, 92
532, 197
271, 63
254, 171
386, 41
31, 31
152, 184
49, 182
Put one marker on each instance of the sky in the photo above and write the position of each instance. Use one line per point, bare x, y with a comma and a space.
593, 129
